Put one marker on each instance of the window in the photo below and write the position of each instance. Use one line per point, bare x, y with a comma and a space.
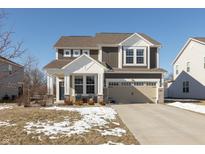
87, 52
186, 87
90, 85
129, 56
140, 56
67, 53
177, 69
135, 56
79, 84
10, 69
76, 53
188, 66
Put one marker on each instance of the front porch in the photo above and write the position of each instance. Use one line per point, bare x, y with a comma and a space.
81, 79
79, 87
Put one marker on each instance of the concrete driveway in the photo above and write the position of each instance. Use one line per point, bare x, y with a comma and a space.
162, 124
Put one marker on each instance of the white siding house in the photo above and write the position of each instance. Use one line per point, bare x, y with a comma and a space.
189, 71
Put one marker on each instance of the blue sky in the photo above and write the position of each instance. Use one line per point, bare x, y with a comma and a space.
39, 29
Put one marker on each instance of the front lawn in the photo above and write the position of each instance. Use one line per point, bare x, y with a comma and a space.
62, 125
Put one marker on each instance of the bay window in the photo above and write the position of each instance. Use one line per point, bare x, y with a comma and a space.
129, 56
90, 85
79, 84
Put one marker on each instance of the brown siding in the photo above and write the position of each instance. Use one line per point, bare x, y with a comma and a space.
110, 56
153, 57
134, 75
94, 54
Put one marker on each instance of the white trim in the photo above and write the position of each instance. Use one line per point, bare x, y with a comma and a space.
67, 84
56, 53
100, 54
76, 51
86, 50
76, 48
158, 58
120, 52
66, 55
134, 79
134, 56
81, 57
57, 89
148, 57
151, 44
182, 49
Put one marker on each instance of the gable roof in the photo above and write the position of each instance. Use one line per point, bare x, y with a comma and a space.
61, 63
99, 38
5, 60
196, 39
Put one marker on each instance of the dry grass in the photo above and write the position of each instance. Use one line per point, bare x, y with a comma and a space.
20, 115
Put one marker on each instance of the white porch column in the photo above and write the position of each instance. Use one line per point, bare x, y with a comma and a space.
120, 57
100, 84
148, 57
49, 85
57, 89
100, 87
67, 84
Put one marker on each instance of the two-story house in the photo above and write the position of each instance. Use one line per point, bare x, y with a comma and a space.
123, 67
11, 79
189, 71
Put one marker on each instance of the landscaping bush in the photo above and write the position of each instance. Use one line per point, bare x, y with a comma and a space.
91, 101
102, 103
79, 102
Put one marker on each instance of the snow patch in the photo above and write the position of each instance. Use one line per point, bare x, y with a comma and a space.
189, 106
113, 143
113, 132
6, 107
90, 117
6, 123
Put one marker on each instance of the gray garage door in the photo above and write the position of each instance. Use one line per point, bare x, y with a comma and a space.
132, 92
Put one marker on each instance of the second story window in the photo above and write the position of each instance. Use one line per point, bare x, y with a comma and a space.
76, 53
177, 69
67, 53
188, 66
87, 52
135, 56
140, 56
129, 56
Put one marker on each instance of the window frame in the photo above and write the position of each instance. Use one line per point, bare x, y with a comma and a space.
67, 55
188, 66
86, 50
76, 50
185, 87
177, 69
79, 84
135, 56
90, 84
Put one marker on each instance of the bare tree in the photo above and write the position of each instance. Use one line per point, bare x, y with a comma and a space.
34, 80
8, 47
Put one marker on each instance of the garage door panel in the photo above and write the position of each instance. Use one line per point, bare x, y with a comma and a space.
133, 94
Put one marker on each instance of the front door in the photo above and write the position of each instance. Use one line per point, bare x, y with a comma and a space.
61, 90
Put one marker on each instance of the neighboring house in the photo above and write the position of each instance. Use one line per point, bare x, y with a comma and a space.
119, 66
11, 78
189, 71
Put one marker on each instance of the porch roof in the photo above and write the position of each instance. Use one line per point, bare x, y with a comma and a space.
136, 70
60, 63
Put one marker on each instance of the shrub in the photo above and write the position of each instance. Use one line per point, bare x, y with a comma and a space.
91, 101
79, 102
102, 103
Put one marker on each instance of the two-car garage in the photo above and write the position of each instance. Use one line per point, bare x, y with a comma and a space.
133, 90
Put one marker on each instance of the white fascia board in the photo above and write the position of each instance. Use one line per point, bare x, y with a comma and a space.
84, 55
150, 44
181, 51
76, 47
